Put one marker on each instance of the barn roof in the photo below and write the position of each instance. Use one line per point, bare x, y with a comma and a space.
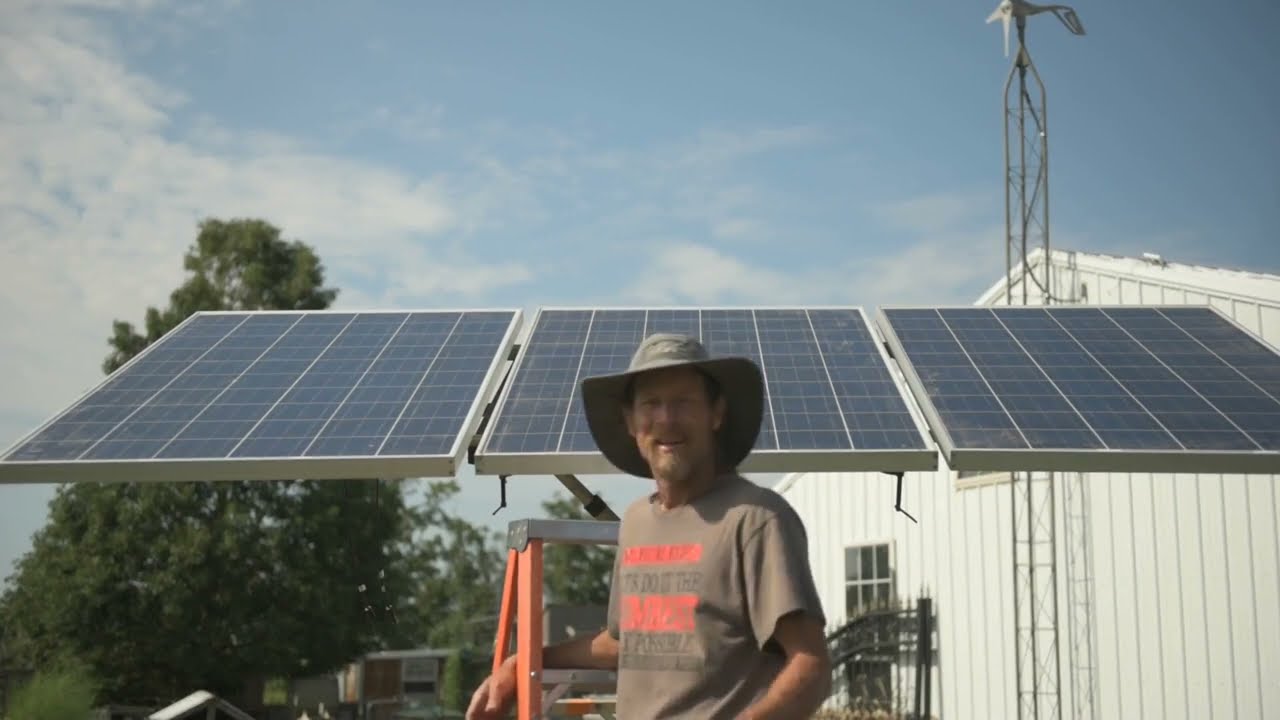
1149, 269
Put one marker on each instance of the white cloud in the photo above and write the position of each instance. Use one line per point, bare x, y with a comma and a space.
948, 251
99, 198
689, 273
940, 212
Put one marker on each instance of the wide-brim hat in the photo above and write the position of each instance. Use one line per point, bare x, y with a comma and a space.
741, 385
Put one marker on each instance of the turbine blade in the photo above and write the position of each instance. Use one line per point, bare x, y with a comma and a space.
995, 15
1070, 19
1006, 35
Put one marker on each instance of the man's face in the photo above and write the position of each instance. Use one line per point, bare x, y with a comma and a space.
674, 423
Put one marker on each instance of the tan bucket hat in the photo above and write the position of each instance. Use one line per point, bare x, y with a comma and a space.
741, 385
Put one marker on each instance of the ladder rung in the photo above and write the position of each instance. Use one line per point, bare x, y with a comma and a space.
581, 679
578, 707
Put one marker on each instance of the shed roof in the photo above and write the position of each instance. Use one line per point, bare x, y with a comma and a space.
198, 700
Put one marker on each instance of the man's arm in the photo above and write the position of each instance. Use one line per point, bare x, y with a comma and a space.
493, 698
785, 611
805, 681
596, 652
585, 652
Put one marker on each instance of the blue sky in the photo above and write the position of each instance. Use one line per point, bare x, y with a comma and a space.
584, 153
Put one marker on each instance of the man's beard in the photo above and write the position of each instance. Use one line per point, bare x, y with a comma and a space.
676, 469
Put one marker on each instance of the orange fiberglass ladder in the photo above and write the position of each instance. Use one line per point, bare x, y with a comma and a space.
522, 604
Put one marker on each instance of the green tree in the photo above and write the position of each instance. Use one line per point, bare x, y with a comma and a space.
458, 572
451, 692
238, 264
167, 587
576, 574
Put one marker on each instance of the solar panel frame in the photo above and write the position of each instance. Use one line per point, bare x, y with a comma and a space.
491, 462
1102, 459
321, 467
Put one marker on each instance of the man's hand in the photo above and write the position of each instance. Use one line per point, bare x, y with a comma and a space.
495, 696
805, 680
493, 699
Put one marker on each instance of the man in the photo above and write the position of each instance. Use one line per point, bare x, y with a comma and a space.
713, 611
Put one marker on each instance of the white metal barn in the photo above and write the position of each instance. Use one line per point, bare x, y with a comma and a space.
1168, 586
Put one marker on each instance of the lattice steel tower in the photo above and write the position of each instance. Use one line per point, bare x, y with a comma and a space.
1034, 515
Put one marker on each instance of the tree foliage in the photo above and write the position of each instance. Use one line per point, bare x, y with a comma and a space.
451, 692
241, 264
457, 572
168, 587
575, 574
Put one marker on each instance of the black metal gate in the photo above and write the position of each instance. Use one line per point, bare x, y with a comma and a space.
881, 663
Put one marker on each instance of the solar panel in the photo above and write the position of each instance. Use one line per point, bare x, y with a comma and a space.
1139, 389
282, 395
832, 403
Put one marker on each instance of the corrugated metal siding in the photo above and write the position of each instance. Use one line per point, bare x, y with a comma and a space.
959, 554
1186, 569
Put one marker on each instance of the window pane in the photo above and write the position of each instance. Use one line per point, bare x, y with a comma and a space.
882, 594
868, 555
882, 562
868, 597
851, 602
851, 563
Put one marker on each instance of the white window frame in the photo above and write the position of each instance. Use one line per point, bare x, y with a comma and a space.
892, 574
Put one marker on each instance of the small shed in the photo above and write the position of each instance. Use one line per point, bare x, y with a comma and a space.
200, 705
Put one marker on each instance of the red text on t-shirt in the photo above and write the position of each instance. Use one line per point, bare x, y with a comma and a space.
658, 613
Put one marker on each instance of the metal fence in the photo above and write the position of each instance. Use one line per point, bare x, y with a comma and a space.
882, 662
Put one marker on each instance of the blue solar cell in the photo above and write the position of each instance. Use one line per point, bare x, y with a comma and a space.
220, 426
86, 422
611, 342
869, 400
287, 385
733, 332
1186, 415
828, 387
300, 416
1042, 415
1246, 406
1087, 378
806, 414
428, 425
957, 389
361, 424
681, 322
1115, 417
532, 418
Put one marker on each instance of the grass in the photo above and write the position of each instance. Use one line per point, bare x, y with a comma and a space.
62, 694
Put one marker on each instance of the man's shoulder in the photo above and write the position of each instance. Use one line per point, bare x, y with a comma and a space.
758, 505
637, 505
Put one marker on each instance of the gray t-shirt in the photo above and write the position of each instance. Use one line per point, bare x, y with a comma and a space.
697, 592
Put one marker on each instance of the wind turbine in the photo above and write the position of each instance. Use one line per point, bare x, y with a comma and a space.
1031, 121
1022, 9
1035, 564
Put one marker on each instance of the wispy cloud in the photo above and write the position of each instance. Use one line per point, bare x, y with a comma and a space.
101, 194
944, 248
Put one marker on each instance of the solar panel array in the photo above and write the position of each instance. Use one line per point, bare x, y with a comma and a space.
263, 395
1081, 388
831, 400
350, 391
